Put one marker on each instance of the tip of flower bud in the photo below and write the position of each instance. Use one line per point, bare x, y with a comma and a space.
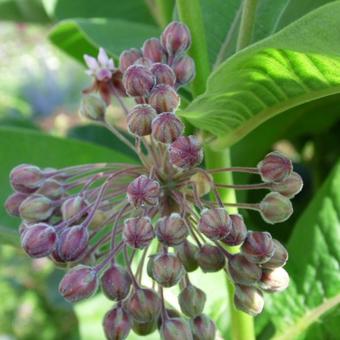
215, 223
279, 257
140, 118
175, 328
184, 68
203, 328
13, 202
274, 280
210, 258
248, 299
171, 230
116, 324
164, 98
238, 232
275, 208
129, 57
26, 178
192, 300
290, 186
153, 50
36, 208
138, 80
187, 253
138, 232
163, 74
167, 127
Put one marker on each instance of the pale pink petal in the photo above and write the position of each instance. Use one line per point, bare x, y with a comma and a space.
91, 62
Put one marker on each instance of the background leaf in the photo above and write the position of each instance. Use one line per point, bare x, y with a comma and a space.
23, 146
313, 297
271, 77
79, 36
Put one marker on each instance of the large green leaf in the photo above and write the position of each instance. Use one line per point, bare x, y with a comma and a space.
271, 77
133, 10
77, 37
23, 146
313, 297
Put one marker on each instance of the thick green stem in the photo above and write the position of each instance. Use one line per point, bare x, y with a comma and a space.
164, 10
242, 325
247, 23
190, 13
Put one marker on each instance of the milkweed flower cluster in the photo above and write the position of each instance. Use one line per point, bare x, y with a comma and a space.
82, 217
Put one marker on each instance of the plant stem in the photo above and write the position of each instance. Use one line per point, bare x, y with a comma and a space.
247, 23
190, 13
165, 10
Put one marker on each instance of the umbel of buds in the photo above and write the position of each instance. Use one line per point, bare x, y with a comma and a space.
108, 223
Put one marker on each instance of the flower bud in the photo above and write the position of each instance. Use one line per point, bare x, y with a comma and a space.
202, 182
36, 208
192, 300
92, 107
23, 227
258, 247
138, 81
176, 38
140, 118
275, 280
138, 232
167, 269
175, 329
184, 68
185, 152
203, 328
238, 232
38, 240
167, 127
153, 50
163, 98
143, 191
72, 206
72, 242
290, 186
144, 62
79, 283
99, 218
279, 257
215, 223
171, 313
51, 188
275, 208
210, 258
117, 324
163, 74
275, 167
26, 178
144, 328
171, 230
13, 202
242, 271
116, 282
248, 299
128, 58
143, 305
187, 252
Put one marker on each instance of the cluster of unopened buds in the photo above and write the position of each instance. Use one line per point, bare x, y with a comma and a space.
83, 217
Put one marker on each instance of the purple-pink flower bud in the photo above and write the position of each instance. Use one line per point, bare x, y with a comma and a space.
184, 68
72, 242
215, 223
171, 230
144, 62
243, 271
187, 253
275, 167
13, 202
117, 324
238, 232
144, 328
140, 118
192, 300
163, 74
275, 280
167, 127
290, 186
116, 282
128, 58
72, 206
36, 208
275, 208
279, 257
167, 269
39, 240
26, 178
175, 329
79, 283
248, 299
143, 305
210, 258
185, 152
143, 191
176, 38
153, 50
138, 232
51, 188
164, 98
258, 247
138, 81
203, 328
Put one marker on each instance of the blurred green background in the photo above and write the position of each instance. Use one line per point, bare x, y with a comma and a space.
40, 89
